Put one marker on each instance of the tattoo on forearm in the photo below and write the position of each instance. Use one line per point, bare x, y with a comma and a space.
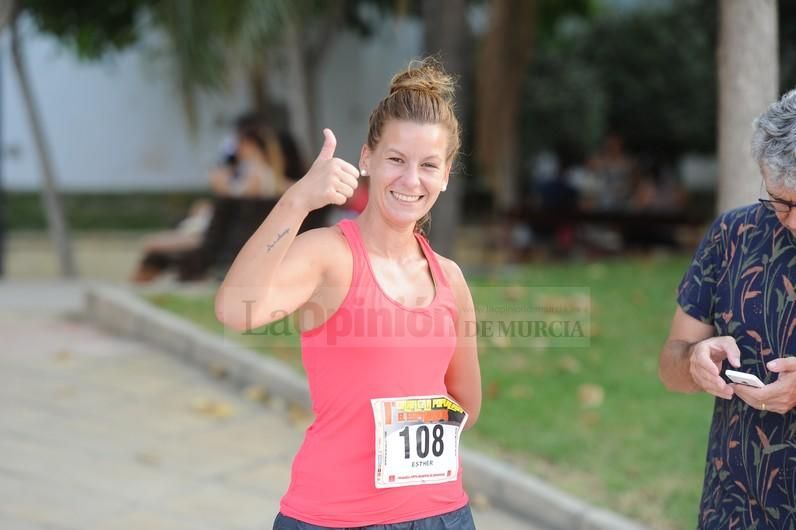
279, 236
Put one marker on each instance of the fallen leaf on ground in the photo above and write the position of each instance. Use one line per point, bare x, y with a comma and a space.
569, 364
514, 293
591, 395
517, 362
63, 355
256, 393
299, 417
501, 341
217, 371
212, 408
590, 418
147, 459
521, 391
479, 501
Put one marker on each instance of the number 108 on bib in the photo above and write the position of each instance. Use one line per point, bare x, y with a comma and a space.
417, 440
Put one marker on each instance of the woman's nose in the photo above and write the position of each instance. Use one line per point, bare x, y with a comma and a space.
411, 176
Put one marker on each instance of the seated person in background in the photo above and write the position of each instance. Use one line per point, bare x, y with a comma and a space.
612, 169
158, 248
253, 169
258, 168
656, 191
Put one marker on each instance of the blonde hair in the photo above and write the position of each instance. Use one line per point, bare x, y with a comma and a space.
421, 93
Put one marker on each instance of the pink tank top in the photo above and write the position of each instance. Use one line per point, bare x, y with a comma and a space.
373, 346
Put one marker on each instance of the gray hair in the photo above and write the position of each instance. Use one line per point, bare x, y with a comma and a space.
774, 141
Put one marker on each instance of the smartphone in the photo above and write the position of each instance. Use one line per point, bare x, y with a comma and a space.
744, 379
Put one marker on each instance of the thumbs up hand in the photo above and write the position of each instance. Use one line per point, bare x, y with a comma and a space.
329, 180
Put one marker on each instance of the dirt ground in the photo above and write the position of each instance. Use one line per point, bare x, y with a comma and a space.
112, 256
107, 256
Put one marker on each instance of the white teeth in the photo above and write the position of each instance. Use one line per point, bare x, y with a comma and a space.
406, 198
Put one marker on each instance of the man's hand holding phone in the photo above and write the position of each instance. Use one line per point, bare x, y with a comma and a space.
779, 396
707, 357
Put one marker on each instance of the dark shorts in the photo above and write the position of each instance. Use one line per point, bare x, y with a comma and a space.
460, 519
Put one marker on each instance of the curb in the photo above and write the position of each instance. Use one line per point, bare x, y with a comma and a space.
128, 315
517, 493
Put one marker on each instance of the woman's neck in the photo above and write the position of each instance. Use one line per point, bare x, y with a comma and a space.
384, 239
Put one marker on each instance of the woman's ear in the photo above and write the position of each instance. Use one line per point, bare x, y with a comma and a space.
446, 177
364, 160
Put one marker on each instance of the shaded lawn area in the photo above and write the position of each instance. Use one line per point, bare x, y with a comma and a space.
592, 419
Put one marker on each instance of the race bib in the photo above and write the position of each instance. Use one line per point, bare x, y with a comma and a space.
417, 440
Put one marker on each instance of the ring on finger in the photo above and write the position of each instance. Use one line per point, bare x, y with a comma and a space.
763, 407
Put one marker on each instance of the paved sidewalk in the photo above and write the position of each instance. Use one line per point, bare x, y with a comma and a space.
103, 433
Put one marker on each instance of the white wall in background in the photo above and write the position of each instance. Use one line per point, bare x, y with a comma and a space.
118, 124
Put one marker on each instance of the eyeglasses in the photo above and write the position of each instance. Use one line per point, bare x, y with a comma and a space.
777, 206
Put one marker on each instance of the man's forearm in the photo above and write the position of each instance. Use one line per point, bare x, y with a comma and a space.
674, 368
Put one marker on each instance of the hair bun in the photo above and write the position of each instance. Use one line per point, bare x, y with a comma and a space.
426, 75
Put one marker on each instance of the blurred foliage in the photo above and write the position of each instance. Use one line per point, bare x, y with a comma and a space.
90, 27
206, 40
551, 13
646, 74
658, 76
103, 211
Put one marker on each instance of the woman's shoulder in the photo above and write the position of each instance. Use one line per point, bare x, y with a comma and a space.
325, 240
453, 273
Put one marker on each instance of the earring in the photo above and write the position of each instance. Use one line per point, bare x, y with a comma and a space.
444, 187
362, 172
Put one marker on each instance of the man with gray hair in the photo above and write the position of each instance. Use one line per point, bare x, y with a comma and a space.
737, 310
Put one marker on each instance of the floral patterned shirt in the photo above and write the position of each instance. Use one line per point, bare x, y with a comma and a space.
741, 282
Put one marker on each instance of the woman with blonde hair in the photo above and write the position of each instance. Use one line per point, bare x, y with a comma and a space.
392, 370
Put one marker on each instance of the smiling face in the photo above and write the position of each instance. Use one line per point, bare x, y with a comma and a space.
408, 168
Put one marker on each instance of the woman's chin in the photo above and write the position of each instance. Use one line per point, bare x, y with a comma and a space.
403, 218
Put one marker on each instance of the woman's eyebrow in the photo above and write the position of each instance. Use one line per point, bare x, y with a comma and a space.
396, 151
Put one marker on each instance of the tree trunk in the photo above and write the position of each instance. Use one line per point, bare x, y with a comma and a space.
300, 119
503, 63
748, 62
56, 221
447, 33
3, 214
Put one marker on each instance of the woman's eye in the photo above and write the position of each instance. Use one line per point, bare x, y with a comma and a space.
432, 166
395, 159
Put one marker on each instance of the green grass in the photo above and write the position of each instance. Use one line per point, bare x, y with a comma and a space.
638, 450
